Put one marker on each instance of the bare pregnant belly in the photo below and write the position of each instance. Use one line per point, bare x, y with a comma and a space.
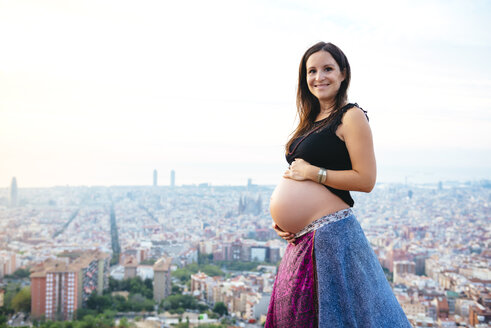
294, 204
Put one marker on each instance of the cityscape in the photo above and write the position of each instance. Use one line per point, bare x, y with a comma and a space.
206, 256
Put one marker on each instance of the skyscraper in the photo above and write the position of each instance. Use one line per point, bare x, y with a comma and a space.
172, 178
13, 193
161, 279
155, 178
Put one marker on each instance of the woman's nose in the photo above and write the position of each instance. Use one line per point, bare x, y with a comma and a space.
320, 75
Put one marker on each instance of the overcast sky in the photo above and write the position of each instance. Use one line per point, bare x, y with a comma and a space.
104, 92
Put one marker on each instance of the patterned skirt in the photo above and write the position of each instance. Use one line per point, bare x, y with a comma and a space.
331, 277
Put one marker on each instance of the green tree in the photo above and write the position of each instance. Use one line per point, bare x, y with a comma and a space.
203, 307
88, 321
123, 323
133, 285
22, 301
114, 285
205, 258
212, 315
148, 305
176, 290
227, 321
174, 302
182, 325
56, 324
121, 304
99, 303
105, 320
10, 291
19, 274
82, 312
182, 274
220, 308
3, 320
212, 270
135, 304
148, 283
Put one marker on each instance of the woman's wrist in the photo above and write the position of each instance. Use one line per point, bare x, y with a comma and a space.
316, 174
311, 173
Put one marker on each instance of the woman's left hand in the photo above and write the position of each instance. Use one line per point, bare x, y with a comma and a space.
297, 170
288, 236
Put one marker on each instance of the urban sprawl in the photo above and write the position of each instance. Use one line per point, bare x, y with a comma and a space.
206, 256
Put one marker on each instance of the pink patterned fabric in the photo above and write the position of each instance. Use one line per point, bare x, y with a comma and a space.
294, 298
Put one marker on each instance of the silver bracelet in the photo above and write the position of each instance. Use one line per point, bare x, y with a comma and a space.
321, 175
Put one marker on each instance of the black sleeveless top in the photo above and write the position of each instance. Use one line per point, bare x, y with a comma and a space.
323, 148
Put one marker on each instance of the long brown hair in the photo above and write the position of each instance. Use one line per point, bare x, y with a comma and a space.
308, 106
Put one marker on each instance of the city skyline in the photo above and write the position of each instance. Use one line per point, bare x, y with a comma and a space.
408, 179
102, 94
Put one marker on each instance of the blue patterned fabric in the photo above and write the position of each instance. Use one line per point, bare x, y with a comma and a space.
352, 288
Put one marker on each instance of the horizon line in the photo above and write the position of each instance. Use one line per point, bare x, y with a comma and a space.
207, 184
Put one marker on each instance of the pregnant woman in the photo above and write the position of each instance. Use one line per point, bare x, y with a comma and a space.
329, 275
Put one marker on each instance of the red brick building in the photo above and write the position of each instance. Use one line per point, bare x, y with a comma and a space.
60, 287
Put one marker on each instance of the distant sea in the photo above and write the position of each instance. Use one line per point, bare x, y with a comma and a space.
237, 174
431, 174
270, 174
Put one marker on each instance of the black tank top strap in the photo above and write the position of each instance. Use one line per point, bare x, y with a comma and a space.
356, 105
337, 120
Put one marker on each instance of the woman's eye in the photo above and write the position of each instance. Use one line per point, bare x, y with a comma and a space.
312, 71
327, 69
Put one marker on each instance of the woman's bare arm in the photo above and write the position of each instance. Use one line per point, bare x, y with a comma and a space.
356, 133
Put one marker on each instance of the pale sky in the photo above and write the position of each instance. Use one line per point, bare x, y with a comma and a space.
104, 92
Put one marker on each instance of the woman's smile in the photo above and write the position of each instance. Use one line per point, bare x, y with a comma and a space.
323, 76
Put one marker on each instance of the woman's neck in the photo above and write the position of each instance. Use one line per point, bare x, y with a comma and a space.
326, 108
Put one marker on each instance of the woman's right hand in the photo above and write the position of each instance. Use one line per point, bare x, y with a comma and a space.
288, 236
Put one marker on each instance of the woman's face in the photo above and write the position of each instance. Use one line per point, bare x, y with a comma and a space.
323, 76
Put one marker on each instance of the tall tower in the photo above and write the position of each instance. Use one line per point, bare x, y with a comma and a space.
172, 178
13, 193
155, 174
161, 279
58, 288
54, 288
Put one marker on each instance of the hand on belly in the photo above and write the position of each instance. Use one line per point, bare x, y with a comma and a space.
294, 204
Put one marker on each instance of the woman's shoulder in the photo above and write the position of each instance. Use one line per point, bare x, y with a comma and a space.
353, 111
354, 120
